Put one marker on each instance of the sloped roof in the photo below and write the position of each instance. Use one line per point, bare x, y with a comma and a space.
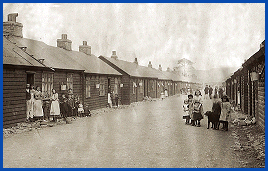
63, 59
133, 69
13, 55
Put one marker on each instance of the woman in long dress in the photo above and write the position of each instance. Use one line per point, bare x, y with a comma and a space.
38, 109
55, 106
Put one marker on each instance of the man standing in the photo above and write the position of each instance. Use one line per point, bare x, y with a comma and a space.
210, 90
206, 92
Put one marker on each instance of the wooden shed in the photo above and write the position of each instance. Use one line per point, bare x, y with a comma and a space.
74, 70
19, 69
137, 81
246, 87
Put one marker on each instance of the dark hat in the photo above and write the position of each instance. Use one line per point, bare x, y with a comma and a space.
225, 97
190, 95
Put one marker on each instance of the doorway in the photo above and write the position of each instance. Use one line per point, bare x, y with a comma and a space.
30, 78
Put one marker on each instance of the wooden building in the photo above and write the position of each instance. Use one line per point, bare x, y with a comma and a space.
28, 61
246, 87
137, 81
18, 70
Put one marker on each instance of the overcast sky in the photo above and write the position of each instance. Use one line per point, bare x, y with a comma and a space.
211, 35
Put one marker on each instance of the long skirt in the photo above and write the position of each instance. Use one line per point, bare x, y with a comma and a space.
38, 110
55, 108
29, 109
197, 116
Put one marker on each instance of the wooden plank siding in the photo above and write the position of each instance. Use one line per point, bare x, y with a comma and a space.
14, 96
95, 101
260, 117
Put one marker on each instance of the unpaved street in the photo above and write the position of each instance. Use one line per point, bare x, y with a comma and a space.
147, 134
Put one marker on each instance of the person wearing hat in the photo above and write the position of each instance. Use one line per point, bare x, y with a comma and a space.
225, 112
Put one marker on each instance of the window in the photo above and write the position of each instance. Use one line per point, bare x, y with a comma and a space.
116, 86
134, 87
87, 87
141, 86
69, 81
47, 84
102, 86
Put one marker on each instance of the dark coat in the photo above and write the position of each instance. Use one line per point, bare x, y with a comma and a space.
216, 108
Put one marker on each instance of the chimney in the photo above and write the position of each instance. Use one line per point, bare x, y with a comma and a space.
262, 44
136, 61
85, 48
150, 64
11, 27
114, 55
64, 42
168, 69
160, 68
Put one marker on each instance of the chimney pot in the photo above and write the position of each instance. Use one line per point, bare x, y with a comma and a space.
114, 55
64, 36
85, 48
160, 68
12, 17
136, 61
150, 64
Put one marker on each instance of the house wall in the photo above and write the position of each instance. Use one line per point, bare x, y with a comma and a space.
14, 96
261, 102
95, 101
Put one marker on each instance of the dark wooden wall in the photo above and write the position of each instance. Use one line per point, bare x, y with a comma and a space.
14, 96
261, 101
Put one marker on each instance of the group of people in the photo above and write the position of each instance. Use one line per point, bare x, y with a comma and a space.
193, 108
218, 92
113, 99
50, 107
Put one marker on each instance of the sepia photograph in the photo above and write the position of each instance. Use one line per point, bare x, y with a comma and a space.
133, 85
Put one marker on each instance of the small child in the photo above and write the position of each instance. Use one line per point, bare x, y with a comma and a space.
64, 106
80, 110
186, 110
87, 111
197, 113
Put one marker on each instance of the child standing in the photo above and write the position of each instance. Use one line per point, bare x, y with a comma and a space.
197, 113
186, 110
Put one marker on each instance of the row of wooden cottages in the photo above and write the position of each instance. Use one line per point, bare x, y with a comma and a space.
246, 87
27, 61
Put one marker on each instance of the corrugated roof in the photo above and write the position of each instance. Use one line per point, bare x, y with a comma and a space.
63, 59
15, 56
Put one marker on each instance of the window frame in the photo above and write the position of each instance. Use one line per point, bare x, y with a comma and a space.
47, 83
102, 86
88, 93
69, 81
